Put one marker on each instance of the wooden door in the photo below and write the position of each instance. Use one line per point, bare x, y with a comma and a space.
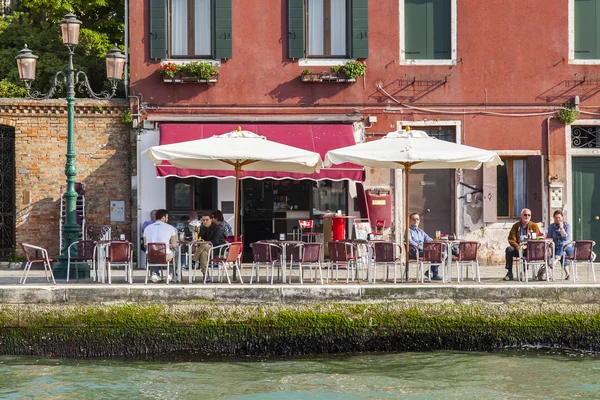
586, 198
432, 196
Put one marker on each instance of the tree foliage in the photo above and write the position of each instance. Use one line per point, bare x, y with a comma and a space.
37, 24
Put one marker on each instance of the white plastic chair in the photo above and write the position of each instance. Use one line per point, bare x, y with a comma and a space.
44, 259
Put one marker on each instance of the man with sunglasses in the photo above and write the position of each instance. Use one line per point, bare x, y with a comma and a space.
417, 237
520, 231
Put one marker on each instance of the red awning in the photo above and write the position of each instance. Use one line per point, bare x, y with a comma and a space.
319, 138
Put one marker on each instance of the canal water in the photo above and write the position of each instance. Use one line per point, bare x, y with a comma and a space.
523, 374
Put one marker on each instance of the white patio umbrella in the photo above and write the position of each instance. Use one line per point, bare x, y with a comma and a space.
408, 149
236, 151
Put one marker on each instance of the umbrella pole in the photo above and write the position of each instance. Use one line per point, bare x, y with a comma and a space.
236, 211
236, 205
406, 216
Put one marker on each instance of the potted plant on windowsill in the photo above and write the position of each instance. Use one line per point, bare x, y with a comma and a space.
341, 74
308, 76
195, 71
202, 71
354, 69
170, 71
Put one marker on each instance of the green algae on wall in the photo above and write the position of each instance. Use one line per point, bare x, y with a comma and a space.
206, 328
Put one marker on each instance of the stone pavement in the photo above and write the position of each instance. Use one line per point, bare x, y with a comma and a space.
490, 275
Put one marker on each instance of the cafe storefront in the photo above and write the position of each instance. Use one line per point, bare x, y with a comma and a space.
271, 203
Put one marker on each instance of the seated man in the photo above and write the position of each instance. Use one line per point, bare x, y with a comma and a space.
417, 237
560, 233
161, 232
150, 221
219, 220
213, 235
520, 231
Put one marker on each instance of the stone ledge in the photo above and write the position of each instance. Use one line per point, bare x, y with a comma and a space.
223, 293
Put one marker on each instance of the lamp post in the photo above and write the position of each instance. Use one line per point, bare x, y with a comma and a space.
26, 63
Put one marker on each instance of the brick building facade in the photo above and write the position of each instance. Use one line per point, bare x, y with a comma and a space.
104, 164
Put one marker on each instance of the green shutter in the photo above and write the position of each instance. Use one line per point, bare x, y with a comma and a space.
440, 23
158, 29
296, 28
360, 28
586, 32
415, 23
222, 30
427, 25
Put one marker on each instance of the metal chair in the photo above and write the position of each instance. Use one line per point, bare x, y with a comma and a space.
264, 253
468, 256
308, 254
433, 253
386, 253
537, 254
156, 256
29, 262
306, 230
85, 255
119, 253
227, 253
379, 228
340, 255
583, 252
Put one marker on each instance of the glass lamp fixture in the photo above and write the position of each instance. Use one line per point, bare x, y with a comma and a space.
70, 30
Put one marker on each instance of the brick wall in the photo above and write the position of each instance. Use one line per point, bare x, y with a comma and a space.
104, 163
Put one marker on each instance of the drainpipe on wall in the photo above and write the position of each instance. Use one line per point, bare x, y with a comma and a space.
138, 140
126, 75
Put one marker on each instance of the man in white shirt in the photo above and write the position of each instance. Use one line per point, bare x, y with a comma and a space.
161, 232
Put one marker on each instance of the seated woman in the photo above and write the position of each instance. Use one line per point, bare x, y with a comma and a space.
219, 220
560, 233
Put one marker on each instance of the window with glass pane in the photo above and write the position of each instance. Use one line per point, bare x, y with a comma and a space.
182, 196
511, 187
327, 34
427, 29
329, 197
191, 28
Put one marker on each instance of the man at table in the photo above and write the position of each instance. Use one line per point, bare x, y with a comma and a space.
161, 232
212, 234
560, 233
520, 231
417, 237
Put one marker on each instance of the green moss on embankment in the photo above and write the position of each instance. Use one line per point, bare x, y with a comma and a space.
284, 329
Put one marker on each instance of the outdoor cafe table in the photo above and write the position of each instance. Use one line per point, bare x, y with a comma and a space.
448, 263
355, 243
189, 245
283, 244
99, 258
549, 254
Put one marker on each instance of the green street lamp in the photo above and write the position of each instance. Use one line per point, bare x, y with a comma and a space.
26, 63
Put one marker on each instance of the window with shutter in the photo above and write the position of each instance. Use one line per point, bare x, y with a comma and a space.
328, 28
587, 32
428, 31
197, 28
518, 186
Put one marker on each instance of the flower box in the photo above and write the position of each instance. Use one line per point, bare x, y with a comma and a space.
185, 78
331, 77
